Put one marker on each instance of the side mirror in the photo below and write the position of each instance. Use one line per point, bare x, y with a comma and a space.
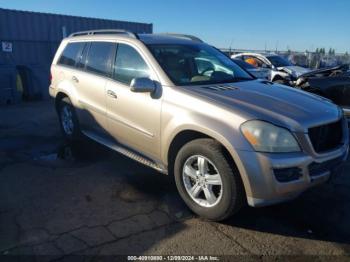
142, 85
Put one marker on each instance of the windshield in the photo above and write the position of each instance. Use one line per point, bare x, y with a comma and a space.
188, 64
278, 61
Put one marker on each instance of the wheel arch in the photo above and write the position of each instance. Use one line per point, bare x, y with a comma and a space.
59, 96
178, 141
186, 135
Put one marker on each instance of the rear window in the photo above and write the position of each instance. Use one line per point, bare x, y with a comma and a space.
70, 54
100, 57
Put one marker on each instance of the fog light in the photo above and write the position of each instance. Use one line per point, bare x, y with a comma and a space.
287, 174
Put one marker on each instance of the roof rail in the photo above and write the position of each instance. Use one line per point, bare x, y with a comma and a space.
190, 37
105, 31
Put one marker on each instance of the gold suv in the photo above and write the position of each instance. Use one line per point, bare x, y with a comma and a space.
184, 108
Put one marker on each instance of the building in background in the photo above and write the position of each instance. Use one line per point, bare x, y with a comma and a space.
28, 42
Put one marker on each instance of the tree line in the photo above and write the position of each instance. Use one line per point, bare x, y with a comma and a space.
322, 51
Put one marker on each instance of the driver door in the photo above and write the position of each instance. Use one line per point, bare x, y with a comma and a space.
133, 118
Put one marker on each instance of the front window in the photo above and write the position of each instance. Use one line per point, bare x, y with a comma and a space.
278, 61
187, 64
254, 61
129, 65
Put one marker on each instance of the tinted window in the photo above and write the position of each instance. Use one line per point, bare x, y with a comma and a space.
100, 57
129, 64
70, 54
82, 58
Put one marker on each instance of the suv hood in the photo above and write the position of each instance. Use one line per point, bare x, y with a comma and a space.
279, 104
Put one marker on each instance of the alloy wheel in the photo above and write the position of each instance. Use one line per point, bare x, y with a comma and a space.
67, 120
202, 181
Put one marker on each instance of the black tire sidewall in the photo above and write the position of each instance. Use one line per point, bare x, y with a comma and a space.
211, 150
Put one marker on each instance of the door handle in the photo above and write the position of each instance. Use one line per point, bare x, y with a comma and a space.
75, 79
111, 94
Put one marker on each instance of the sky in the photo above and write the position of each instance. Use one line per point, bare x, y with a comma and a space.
244, 24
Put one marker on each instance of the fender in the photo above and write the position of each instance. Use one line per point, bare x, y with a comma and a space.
210, 128
64, 86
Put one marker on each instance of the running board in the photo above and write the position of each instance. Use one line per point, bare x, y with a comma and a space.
126, 152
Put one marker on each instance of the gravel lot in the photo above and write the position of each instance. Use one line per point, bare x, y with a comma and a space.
61, 200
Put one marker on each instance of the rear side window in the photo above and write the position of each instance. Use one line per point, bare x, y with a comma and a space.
129, 64
70, 54
82, 58
100, 57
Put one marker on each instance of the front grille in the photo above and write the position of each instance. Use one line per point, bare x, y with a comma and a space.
316, 169
326, 137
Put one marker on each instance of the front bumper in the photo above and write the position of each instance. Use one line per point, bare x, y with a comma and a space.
52, 91
262, 185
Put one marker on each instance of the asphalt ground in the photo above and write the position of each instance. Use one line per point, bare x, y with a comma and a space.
60, 201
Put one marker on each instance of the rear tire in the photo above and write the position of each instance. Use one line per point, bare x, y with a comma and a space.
68, 120
210, 196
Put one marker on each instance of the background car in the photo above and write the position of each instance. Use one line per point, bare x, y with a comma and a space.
281, 70
332, 83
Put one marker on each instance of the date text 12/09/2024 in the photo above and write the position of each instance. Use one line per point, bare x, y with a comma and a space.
173, 258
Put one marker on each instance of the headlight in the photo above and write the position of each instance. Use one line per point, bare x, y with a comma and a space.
266, 137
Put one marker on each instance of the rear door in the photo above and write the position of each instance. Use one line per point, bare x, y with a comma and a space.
95, 67
66, 65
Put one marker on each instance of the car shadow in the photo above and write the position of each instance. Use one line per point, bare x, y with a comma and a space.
149, 182
319, 214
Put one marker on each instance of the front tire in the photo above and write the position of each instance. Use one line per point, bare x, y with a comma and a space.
68, 120
206, 181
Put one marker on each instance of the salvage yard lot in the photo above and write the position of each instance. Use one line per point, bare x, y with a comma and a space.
59, 200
